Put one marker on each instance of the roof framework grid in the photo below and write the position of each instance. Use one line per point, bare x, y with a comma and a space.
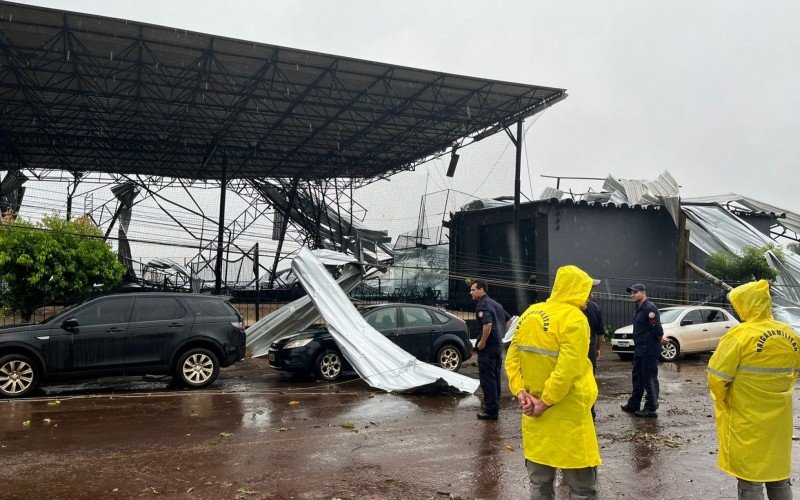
87, 93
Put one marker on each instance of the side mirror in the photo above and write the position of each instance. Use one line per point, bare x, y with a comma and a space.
687, 322
69, 324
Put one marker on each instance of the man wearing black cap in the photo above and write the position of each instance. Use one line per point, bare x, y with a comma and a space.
647, 339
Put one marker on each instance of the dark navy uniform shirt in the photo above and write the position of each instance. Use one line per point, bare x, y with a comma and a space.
595, 318
487, 311
647, 331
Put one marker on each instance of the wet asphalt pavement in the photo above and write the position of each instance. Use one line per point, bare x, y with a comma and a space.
257, 433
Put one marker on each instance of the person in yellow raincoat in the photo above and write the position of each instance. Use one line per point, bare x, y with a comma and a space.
751, 377
551, 376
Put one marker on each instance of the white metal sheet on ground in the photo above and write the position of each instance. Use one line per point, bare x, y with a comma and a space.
376, 359
293, 317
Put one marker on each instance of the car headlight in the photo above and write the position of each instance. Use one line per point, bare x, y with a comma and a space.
297, 343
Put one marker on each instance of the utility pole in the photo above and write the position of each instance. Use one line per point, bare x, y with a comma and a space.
221, 224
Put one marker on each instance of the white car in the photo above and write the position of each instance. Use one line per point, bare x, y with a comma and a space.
688, 329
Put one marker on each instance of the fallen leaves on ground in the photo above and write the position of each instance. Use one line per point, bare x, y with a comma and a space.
26, 423
226, 434
509, 447
294, 403
54, 403
651, 439
348, 425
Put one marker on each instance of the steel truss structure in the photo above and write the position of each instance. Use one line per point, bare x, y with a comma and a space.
86, 97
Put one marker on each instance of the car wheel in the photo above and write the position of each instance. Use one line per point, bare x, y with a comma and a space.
329, 365
18, 376
197, 368
625, 356
670, 351
449, 358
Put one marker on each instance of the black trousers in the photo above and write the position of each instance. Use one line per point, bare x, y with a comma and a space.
645, 382
489, 364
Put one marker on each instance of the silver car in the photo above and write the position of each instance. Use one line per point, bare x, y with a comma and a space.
689, 329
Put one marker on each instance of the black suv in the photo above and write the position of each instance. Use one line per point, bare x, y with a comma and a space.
188, 336
428, 333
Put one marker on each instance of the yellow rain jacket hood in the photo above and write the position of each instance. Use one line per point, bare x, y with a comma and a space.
548, 358
751, 377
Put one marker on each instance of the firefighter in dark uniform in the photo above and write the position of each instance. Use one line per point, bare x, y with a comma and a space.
596, 331
596, 328
494, 320
648, 336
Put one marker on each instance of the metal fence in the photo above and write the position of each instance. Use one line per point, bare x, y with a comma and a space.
617, 311
38, 316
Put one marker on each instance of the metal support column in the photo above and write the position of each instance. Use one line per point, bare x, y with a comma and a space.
284, 226
257, 273
221, 225
517, 260
517, 182
681, 271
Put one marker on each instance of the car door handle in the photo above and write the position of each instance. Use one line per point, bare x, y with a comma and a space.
114, 329
175, 325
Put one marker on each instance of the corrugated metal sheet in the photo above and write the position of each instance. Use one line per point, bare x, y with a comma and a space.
379, 361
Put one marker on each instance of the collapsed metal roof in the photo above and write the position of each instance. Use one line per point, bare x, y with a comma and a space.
86, 93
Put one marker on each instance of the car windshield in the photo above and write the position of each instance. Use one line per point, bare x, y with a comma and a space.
670, 315
60, 313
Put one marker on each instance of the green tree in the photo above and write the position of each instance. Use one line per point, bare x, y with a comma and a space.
53, 260
742, 268
794, 247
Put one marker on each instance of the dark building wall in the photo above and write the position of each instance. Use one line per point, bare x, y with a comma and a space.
618, 244
480, 246
761, 222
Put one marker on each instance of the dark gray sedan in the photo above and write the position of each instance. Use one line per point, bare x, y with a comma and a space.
429, 334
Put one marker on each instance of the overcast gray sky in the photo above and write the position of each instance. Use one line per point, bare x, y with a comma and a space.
707, 90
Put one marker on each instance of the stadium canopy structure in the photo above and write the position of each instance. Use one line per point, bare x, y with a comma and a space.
83, 94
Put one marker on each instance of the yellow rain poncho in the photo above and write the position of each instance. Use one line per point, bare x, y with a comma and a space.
547, 358
751, 376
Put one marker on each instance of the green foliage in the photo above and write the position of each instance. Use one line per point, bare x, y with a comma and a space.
52, 260
742, 268
608, 334
794, 247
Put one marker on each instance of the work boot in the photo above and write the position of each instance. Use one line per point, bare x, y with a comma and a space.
628, 409
646, 414
487, 416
